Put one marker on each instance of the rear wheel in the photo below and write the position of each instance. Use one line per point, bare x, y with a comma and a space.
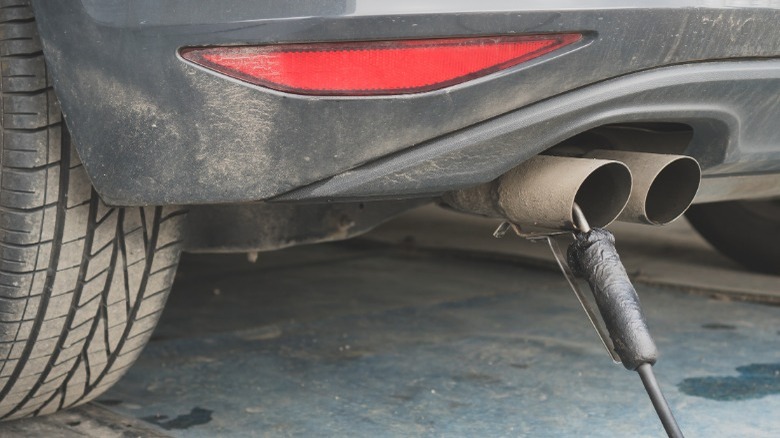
81, 284
746, 231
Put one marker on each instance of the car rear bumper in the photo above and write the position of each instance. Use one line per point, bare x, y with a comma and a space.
153, 129
733, 108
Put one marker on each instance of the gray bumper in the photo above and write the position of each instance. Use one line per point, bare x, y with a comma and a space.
152, 129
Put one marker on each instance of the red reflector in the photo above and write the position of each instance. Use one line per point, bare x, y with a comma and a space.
374, 67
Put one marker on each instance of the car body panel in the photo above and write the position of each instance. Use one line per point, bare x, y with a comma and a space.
729, 105
153, 129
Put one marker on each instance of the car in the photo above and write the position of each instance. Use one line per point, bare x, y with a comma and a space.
135, 130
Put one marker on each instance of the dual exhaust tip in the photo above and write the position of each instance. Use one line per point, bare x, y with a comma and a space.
607, 185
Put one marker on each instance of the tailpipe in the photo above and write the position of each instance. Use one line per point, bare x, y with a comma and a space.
664, 185
540, 193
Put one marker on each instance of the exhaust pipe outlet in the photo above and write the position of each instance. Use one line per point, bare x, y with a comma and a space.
664, 185
540, 193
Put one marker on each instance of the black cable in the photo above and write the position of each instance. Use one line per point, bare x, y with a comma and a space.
659, 401
593, 255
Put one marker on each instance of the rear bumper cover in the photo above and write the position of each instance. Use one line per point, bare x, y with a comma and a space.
733, 108
152, 129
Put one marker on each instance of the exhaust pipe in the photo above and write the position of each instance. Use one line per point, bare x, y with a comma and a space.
664, 185
541, 192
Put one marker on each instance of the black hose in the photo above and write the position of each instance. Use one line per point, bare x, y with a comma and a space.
659, 401
593, 255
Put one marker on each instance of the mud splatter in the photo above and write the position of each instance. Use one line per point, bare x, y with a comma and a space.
718, 326
110, 402
196, 417
754, 381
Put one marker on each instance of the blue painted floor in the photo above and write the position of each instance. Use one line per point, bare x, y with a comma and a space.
370, 340
365, 339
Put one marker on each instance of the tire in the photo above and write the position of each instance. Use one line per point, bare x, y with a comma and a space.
746, 231
82, 285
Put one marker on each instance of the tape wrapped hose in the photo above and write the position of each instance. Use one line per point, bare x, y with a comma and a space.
594, 257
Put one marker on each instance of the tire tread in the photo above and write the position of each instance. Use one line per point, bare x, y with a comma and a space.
74, 306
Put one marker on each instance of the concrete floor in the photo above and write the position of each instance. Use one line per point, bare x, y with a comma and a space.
429, 327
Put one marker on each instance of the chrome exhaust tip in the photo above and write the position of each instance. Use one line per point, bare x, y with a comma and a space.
664, 185
540, 193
